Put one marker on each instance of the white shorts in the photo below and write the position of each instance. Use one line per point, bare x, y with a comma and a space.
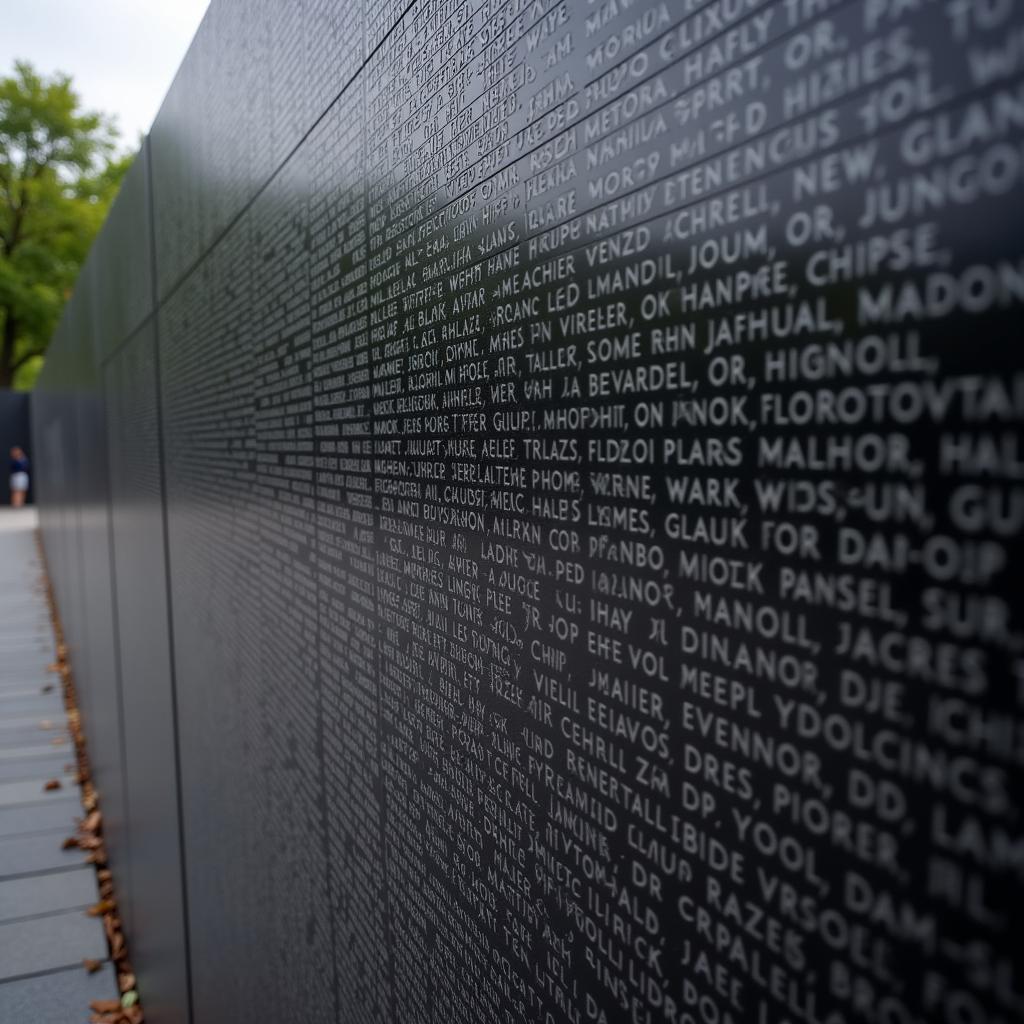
19, 481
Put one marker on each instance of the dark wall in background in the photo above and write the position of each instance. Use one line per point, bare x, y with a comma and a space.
533, 494
15, 429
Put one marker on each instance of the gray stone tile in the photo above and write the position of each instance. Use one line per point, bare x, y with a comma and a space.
32, 768
32, 736
26, 668
22, 855
57, 815
27, 675
39, 746
45, 894
62, 997
13, 661
30, 791
44, 943
18, 722
28, 657
28, 703
31, 633
29, 686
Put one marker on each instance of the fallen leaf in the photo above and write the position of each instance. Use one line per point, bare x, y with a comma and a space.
92, 822
126, 982
133, 1015
92, 966
103, 907
53, 667
105, 1005
51, 784
70, 843
130, 998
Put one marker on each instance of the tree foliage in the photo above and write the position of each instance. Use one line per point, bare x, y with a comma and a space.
58, 175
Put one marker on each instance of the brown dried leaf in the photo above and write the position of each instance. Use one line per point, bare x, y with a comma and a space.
105, 1005
70, 843
103, 907
53, 667
92, 966
51, 784
92, 822
126, 982
133, 1014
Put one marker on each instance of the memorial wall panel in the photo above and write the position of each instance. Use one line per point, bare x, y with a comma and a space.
207, 387
87, 615
156, 922
122, 255
182, 228
346, 560
289, 766
594, 497
77, 364
96, 670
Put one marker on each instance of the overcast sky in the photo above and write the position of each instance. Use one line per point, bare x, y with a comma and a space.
121, 54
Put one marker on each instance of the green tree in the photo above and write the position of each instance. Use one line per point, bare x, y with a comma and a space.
58, 175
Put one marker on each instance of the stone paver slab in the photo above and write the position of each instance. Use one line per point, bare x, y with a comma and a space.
46, 894
45, 943
62, 997
57, 815
23, 855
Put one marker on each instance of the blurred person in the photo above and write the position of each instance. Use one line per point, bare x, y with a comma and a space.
19, 477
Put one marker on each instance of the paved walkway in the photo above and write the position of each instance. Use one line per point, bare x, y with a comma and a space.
45, 933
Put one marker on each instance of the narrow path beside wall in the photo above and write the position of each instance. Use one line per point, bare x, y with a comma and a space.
45, 890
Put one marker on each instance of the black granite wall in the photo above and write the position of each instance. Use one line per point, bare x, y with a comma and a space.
534, 495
